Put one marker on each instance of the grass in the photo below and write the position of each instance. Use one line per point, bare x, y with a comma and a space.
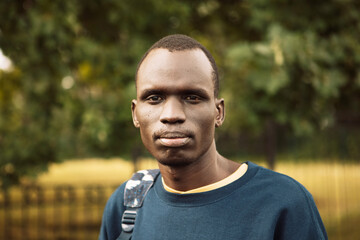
334, 186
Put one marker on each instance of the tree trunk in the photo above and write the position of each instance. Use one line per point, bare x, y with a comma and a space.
270, 143
136, 152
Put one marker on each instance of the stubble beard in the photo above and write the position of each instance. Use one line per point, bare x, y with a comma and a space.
178, 158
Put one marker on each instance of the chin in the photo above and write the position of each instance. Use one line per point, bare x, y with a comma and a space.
175, 160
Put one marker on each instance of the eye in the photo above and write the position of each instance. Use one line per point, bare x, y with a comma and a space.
192, 99
153, 99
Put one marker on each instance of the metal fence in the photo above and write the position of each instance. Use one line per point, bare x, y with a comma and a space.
59, 212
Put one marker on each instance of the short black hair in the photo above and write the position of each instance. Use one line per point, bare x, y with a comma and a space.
180, 42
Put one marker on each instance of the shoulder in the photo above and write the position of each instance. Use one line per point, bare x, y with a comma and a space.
116, 200
135, 189
129, 193
294, 205
111, 220
278, 183
114, 206
280, 191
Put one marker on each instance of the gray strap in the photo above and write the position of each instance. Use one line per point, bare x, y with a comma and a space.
124, 236
135, 191
127, 224
138, 186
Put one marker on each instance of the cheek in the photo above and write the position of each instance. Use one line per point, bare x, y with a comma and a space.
145, 115
206, 122
146, 118
145, 128
146, 134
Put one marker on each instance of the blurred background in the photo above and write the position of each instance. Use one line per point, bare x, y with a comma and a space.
290, 76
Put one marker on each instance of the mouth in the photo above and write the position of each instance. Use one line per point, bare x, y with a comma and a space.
173, 139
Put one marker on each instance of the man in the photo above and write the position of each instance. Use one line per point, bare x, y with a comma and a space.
199, 193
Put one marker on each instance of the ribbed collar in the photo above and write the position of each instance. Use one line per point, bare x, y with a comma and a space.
197, 199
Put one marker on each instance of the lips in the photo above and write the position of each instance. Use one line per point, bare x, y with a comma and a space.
174, 142
173, 139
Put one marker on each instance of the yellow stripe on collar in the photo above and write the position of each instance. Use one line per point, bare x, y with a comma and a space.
232, 178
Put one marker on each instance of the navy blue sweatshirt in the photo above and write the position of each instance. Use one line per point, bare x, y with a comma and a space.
262, 205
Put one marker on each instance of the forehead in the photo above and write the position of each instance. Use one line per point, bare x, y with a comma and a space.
178, 69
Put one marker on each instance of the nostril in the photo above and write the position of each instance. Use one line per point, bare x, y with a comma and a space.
172, 112
172, 120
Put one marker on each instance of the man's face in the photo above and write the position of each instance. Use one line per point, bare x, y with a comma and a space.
175, 108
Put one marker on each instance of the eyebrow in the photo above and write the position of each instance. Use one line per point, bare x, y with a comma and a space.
147, 92
197, 91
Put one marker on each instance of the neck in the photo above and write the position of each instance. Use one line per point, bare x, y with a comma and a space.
208, 169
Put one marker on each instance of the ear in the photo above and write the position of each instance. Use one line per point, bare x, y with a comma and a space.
220, 112
133, 112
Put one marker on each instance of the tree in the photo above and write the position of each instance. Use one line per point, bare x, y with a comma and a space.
73, 79
74, 63
298, 72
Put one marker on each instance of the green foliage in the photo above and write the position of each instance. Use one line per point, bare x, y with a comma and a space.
284, 64
73, 82
298, 69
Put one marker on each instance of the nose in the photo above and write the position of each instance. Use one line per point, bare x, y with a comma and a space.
172, 111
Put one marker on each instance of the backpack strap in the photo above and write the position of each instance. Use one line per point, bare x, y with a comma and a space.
135, 191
